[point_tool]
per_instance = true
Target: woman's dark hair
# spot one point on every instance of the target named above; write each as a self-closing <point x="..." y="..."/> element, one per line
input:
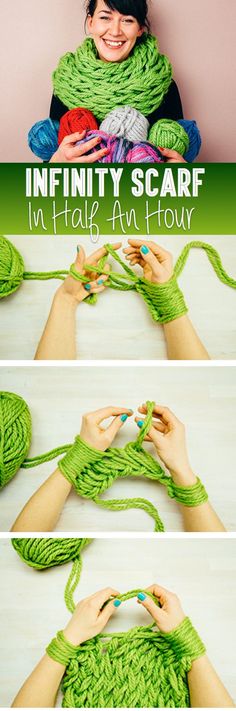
<point x="136" y="8"/>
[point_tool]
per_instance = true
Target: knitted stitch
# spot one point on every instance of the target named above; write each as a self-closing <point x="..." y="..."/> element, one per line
<point x="140" y="81"/>
<point x="169" y="134"/>
<point x="126" y="122"/>
<point x="91" y="471"/>
<point x="141" y="668"/>
<point x="43" y="138"/>
<point x="76" y="120"/>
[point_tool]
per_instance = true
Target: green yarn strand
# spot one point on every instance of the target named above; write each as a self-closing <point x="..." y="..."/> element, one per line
<point x="214" y="259"/>
<point x="140" y="81"/>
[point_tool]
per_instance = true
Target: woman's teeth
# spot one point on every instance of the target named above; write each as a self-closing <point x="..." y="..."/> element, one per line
<point x="113" y="44"/>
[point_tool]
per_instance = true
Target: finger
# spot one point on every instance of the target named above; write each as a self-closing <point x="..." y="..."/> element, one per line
<point x="108" y="611"/>
<point x="96" y="256"/>
<point x="100" y="281"/>
<point x="162" y="594"/>
<point x="156" y="425"/>
<point x="99" y="415"/>
<point x="80" y="259"/>
<point x="88" y="146"/>
<point x="103" y="595"/>
<point x="152" y="260"/>
<point x="151" y="607"/>
<point x="73" y="138"/>
<point x="117" y="423"/>
<point x="162" y="412"/>
<point x="96" y="155"/>
<point x="161" y="253"/>
<point x="170" y="153"/>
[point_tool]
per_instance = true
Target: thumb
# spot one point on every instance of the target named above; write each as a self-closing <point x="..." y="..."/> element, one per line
<point x="108" y="611"/>
<point x="154" y="610"/>
<point x="117" y="423"/>
<point x="80" y="259"/>
<point x="151" y="259"/>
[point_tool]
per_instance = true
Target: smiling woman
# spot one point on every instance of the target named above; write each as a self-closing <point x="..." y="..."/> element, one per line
<point x="118" y="65"/>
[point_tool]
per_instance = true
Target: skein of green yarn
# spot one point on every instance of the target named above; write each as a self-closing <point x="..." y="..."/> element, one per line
<point x="44" y="553"/>
<point x="11" y="268"/>
<point x="169" y="134"/>
<point x="15" y="435"/>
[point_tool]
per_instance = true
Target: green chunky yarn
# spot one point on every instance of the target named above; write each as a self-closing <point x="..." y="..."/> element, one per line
<point x="169" y="134"/>
<point x="140" y="668"/>
<point x="15" y="435"/>
<point x="165" y="302"/>
<point x="43" y="553"/>
<point x="140" y="81"/>
<point x="91" y="471"/>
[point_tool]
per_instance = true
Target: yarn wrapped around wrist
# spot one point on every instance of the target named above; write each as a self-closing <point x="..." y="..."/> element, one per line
<point x="77" y="458"/>
<point x="190" y="496"/>
<point x="185" y="641"/>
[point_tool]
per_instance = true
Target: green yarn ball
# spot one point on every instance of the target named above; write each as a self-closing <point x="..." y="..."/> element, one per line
<point x="42" y="553"/>
<point x="11" y="268"/>
<point x="15" y="435"/>
<point x="169" y="134"/>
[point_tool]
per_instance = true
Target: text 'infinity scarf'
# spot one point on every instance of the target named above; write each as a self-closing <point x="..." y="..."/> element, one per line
<point x="141" y="80"/>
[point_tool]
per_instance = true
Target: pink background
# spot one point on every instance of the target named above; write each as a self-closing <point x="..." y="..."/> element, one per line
<point x="198" y="36"/>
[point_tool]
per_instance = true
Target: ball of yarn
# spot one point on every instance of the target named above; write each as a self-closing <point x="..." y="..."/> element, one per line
<point x="144" y="152"/>
<point x="15" y="435"/>
<point x="76" y="120"/>
<point x="121" y="150"/>
<point x="126" y="122"/>
<point x="11" y="268"/>
<point x="42" y="553"/>
<point x="43" y="138"/>
<point x="169" y="134"/>
<point x="195" y="140"/>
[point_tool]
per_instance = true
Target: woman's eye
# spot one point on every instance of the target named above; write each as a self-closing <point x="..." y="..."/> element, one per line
<point x="129" y="21"/>
<point x="104" y="18"/>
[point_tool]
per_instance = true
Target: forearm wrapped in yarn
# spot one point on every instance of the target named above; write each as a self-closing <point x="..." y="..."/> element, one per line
<point x="89" y="470"/>
<point x="43" y="553"/>
<point x="140" y="668"/>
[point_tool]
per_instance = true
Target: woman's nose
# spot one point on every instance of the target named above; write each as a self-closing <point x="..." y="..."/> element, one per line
<point x="115" y="27"/>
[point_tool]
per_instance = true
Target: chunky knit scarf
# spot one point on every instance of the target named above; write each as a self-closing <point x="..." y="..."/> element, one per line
<point x="141" y="80"/>
<point x="140" y="668"/>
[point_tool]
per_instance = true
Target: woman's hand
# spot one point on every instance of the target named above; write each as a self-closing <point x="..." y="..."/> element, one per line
<point x="78" y="290"/>
<point x="168" y="436"/>
<point x="170" y="614"/>
<point x="69" y="152"/>
<point x="171" y="156"/>
<point x="156" y="262"/>
<point x="94" y="434"/>
<point x="89" y="619"/>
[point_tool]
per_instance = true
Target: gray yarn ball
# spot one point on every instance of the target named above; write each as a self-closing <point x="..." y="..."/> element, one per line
<point x="126" y="122"/>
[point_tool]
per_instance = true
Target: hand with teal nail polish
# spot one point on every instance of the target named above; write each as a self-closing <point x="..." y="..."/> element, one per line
<point x="91" y="616"/>
<point x="141" y="596"/>
<point x="93" y="431"/>
<point x="166" y="611"/>
<point x="156" y="262"/>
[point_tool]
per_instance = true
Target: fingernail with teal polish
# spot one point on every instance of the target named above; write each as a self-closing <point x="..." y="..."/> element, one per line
<point x="100" y="282"/>
<point x="141" y="596"/>
<point x="87" y="287"/>
<point x="124" y="418"/>
<point x="78" y="248"/>
<point x="117" y="603"/>
<point x="140" y="423"/>
<point x="144" y="249"/>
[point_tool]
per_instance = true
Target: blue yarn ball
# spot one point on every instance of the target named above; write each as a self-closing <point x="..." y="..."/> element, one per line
<point x="195" y="140"/>
<point x="43" y="138"/>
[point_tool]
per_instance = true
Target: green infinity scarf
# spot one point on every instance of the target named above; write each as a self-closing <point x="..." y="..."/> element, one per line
<point x="141" y="80"/>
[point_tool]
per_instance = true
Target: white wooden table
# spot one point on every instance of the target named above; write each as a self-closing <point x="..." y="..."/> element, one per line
<point x="202" y="397"/>
<point x="201" y="572"/>
<point x="120" y="325"/>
